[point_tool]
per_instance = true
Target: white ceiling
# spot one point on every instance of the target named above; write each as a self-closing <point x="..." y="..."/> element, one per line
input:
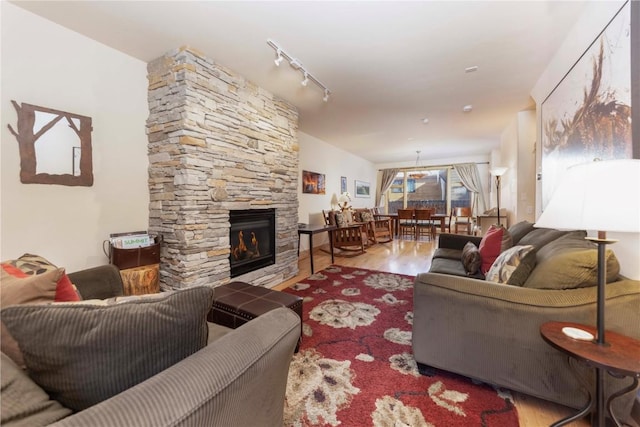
<point x="388" y="64"/>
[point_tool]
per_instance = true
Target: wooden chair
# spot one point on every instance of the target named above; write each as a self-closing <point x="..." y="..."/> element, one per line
<point x="463" y="219"/>
<point x="424" y="224"/>
<point x="379" y="230"/>
<point x="406" y="222"/>
<point x="349" y="238"/>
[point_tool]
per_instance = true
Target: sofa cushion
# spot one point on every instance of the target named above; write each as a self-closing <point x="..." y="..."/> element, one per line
<point x="23" y="402"/>
<point x="513" y="265"/>
<point x="19" y="288"/>
<point x="82" y="353"/>
<point x="471" y="258"/>
<point x="448" y="253"/>
<point x="570" y="262"/>
<point x="519" y="230"/>
<point x="492" y="244"/>
<point x="539" y="237"/>
<point x="452" y="267"/>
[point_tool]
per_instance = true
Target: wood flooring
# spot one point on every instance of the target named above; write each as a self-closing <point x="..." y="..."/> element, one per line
<point x="411" y="257"/>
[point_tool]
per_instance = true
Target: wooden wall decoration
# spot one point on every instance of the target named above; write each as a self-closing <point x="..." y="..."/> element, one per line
<point x="29" y="132"/>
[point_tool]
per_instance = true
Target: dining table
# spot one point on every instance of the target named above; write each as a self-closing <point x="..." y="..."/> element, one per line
<point x="394" y="220"/>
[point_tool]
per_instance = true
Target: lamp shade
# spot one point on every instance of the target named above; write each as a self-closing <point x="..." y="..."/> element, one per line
<point x="498" y="171"/>
<point x="600" y="196"/>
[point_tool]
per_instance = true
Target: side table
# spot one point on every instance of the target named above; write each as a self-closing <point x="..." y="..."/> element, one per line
<point x="310" y="230"/>
<point x="141" y="280"/>
<point x="620" y="357"/>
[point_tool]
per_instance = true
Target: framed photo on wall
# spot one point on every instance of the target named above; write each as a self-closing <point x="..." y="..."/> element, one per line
<point x="313" y="183"/>
<point x="343" y="184"/>
<point x="363" y="189"/>
<point x="587" y="116"/>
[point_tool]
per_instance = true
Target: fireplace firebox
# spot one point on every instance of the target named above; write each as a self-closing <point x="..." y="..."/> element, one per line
<point x="252" y="237"/>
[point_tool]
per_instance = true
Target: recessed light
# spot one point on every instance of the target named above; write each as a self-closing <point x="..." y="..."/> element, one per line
<point x="467" y="108"/>
<point x="471" y="69"/>
<point x="425" y="120"/>
<point x="410" y="138"/>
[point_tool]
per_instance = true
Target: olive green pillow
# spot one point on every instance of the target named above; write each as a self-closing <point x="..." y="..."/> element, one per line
<point x="82" y="353"/>
<point x="571" y="269"/>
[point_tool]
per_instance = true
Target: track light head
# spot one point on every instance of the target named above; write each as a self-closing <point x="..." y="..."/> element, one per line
<point x="325" y="98"/>
<point x="279" y="59"/>
<point x="305" y="82"/>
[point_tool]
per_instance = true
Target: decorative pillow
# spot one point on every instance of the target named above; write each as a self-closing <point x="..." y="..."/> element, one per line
<point x="519" y="230"/>
<point x="513" y="265"/>
<point x="341" y="220"/>
<point x="491" y="245"/>
<point x="23" y="402"/>
<point x="571" y="269"/>
<point x="82" y="354"/>
<point x="366" y="216"/>
<point x="539" y="237"/>
<point x="32" y="265"/>
<point x="357" y="216"/>
<point x="471" y="258"/>
<point x="18" y="288"/>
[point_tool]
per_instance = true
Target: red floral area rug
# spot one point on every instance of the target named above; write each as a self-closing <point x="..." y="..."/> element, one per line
<point x="355" y="366"/>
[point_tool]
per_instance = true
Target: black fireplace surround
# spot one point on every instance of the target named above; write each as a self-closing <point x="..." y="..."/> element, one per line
<point x="252" y="237"/>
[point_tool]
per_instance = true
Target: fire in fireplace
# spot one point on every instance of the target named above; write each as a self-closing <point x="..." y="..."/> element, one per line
<point x="252" y="238"/>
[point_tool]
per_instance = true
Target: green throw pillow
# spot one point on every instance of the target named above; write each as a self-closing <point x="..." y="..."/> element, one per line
<point x="572" y="269"/>
<point x="82" y="353"/>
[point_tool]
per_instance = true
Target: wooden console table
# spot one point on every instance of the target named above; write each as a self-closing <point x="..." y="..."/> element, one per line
<point x="620" y="357"/>
<point x="310" y="230"/>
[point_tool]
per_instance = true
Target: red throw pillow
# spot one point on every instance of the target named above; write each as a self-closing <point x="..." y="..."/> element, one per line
<point x="490" y="246"/>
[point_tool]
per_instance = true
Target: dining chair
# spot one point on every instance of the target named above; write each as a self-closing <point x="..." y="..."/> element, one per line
<point x="407" y="222"/>
<point x="463" y="219"/>
<point x="425" y="225"/>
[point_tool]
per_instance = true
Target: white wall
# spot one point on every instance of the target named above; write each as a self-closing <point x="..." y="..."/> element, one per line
<point x="50" y="66"/>
<point x="321" y="157"/>
<point x="585" y="31"/>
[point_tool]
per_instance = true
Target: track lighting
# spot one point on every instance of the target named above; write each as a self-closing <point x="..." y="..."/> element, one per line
<point x="297" y="65"/>
<point x="279" y="59"/>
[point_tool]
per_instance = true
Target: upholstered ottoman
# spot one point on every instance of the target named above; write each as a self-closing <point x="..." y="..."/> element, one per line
<point x="235" y="303"/>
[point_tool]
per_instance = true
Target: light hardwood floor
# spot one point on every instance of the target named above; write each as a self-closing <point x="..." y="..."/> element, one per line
<point x="411" y="258"/>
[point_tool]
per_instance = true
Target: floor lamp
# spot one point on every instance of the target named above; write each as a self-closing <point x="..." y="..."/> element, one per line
<point x="597" y="196"/>
<point x="498" y="172"/>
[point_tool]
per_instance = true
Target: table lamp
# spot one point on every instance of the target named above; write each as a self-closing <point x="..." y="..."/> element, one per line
<point x="498" y="172"/>
<point x="597" y="196"/>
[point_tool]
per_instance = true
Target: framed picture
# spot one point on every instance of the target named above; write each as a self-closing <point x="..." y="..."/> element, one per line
<point x="587" y="116"/>
<point x="343" y="184"/>
<point x="362" y="189"/>
<point x="312" y="182"/>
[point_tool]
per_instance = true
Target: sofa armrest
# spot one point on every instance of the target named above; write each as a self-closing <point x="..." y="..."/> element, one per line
<point x="238" y="380"/>
<point x="457" y="241"/>
<point x="100" y="282"/>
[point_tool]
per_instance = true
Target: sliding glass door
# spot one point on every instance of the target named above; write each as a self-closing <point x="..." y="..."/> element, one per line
<point x="427" y="188"/>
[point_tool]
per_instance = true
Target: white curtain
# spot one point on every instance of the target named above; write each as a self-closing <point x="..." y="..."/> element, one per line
<point x="470" y="178"/>
<point x="388" y="175"/>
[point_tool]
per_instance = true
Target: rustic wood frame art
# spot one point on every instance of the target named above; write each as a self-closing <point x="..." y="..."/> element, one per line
<point x="27" y="137"/>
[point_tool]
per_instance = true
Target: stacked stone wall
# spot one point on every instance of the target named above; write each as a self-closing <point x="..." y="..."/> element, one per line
<point x="217" y="142"/>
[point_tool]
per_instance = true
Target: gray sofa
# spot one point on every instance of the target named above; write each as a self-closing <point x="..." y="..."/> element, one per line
<point x="238" y="379"/>
<point x="490" y="331"/>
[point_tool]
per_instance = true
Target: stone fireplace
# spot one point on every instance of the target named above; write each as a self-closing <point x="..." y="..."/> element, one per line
<point x="217" y="144"/>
